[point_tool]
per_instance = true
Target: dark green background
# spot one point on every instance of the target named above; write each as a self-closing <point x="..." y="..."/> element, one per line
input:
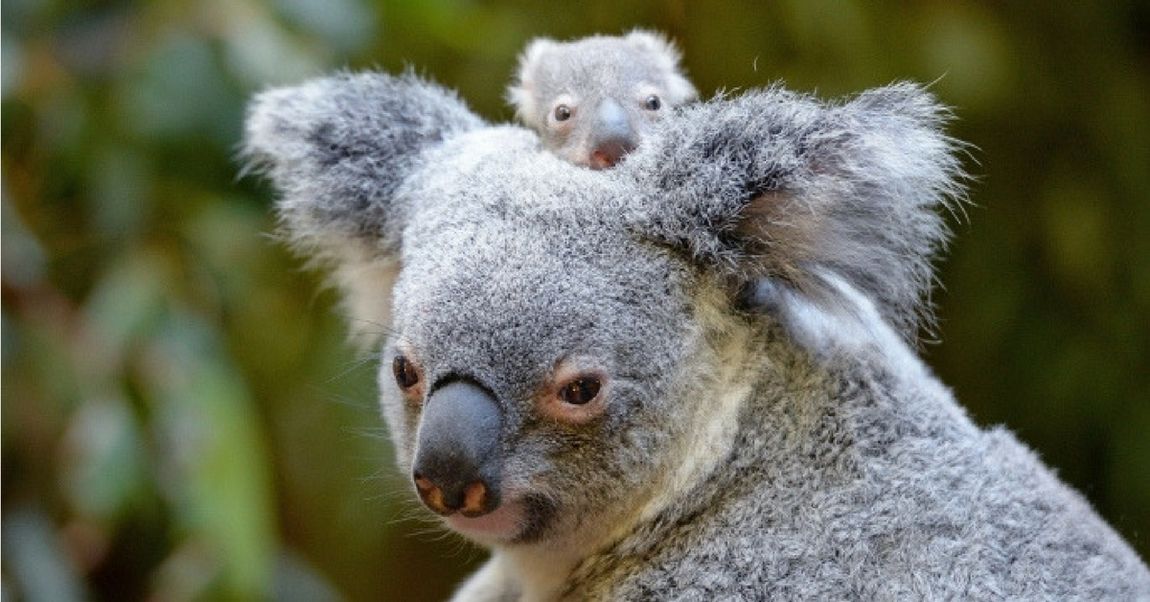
<point x="182" y="418"/>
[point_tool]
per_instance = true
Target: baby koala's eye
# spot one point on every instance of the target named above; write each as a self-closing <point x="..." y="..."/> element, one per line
<point x="406" y="375"/>
<point x="653" y="103"/>
<point x="562" y="113"/>
<point x="580" y="391"/>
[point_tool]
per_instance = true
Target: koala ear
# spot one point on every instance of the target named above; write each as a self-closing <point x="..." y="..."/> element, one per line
<point x="667" y="57"/>
<point x="336" y="149"/>
<point x="521" y="93"/>
<point x="778" y="185"/>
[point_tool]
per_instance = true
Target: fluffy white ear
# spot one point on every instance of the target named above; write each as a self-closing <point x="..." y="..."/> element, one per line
<point x="336" y="149"/>
<point x="667" y="56"/>
<point x="779" y="185"/>
<point x="521" y="92"/>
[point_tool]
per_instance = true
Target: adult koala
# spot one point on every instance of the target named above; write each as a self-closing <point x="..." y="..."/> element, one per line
<point x="684" y="378"/>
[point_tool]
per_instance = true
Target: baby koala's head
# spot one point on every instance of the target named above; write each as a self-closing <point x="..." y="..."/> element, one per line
<point x="592" y="100"/>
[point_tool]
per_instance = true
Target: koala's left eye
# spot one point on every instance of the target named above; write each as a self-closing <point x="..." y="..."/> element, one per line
<point x="406" y="375"/>
<point x="580" y="391"/>
<point x="653" y="103"/>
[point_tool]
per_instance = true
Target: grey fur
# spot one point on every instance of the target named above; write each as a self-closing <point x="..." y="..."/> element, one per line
<point x="848" y="189"/>
<point x="587" y="75"/>
<point x="798" y="451"/>
<point x="354" y="159"/>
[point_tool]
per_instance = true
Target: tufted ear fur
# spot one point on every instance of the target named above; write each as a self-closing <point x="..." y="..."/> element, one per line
<point x="778" y="185"/>
<point x="336" y="149"/>
<point x="521" y="92"/>
<point x="666" y="54"/>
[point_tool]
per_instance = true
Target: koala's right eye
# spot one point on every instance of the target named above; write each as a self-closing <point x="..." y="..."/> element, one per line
<point x="562" y="113"/>
<point x="580" y="391"/>
<point x="406" y="374"/>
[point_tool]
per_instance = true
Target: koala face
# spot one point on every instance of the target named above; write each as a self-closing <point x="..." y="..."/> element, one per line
<point x="593" y="100"/>
<point x="530" y="322"/>
<point x="561" y="339"/>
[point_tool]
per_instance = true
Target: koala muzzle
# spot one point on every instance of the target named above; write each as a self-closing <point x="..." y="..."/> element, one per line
<point x="613" y="135"/>
<point x="457" y="457"/>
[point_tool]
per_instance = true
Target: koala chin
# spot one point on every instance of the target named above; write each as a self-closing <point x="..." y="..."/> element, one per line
<point x="689" y="377"/>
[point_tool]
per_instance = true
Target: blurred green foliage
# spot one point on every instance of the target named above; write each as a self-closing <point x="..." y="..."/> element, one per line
<point x="182" y="418"/>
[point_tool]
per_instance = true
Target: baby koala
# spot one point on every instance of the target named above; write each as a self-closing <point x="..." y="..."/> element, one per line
<point x="592" y="100"/>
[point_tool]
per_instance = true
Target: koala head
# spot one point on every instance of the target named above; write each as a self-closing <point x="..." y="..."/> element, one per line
<point x="594" y="99"/>
<point x="556" y="335"/>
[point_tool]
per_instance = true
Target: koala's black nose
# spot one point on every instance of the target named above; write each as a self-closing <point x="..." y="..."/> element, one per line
<point x="457" y="458"/>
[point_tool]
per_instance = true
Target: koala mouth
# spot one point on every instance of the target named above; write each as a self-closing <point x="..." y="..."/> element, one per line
<point x="502" y="524"/>
<point x="522" y="520"/>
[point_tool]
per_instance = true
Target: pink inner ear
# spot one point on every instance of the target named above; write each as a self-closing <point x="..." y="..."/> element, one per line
<point x="774" y="220"/>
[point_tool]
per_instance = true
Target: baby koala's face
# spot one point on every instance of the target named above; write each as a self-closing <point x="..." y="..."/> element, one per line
<point x="592" y="101"/>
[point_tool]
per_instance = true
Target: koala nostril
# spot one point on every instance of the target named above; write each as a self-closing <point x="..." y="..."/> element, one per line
<point x="470" y="501"/>
<point x="432" y="496"/>
<point x="475" y="500"/>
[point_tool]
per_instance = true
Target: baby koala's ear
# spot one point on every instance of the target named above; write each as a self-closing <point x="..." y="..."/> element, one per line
<point x="521" y="92"/>
<point x="667" y="57"/>
<point x="336" y="149"/>
<point x="779" y="185"/>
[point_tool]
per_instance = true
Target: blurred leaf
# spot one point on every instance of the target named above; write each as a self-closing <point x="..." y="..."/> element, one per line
<point x="89" y="43"/>
<point x="296" y="581"/>
<point x="102" y="462"/>
<point x="18" y="15"/>
<point x="345" y="25"/>
<point x="21" y="254"/>
<point x="964" y="47"/>
<point x="189" y="574"/>
<point x="119" y="196"/>
<point x="253" y="277"/>
<point x="181" y="92"/>
<point x="45" y="364"/>
<point x="1077" y="235"/>
<point x="215" y="465"/>
<point x="12" y="60"/>
<point x="63" y="120"/>
<point x="262" y="53"/>
<point x="232" y="240"/>
<point x="1130" y="465"/>
<point x="35" y="560"/>
<point x="127" y="304"/>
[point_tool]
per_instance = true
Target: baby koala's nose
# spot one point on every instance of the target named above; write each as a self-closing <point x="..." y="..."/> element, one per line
<point x="613" y="135"/>
<point x="457" y="459"/>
